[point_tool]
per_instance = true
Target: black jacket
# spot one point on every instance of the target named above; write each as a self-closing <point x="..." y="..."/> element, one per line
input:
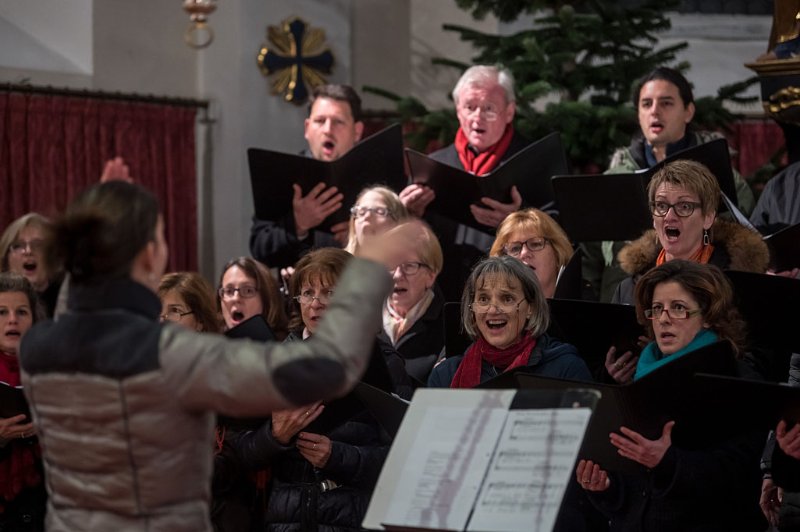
<point x="423" y="343"/>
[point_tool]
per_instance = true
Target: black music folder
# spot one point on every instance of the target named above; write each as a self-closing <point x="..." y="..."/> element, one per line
<point x="386" y="408"/>
<point x="752" y="403"/>
<point x="341" y="410"/>
<point x="12" y="402"/>
<point x="375" y="160"/>
<point x="616" y="207"/>
<point x="482" y="460"/>
<point x="593" y="327"/>
<point x="603" y="207"/>
<point x="784" y="248"/>
<point x="769" y="306"/>
<point x="530" y="170"/>
<point x="255" y="328"/>
<point x="668" y="393"/>
<point x="569" y="283"/>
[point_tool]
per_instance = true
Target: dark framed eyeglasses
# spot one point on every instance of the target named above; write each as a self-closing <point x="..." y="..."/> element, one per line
<point x="532" y="244"/>
<point x="175" y="314"/>
<point x="246" y="291"/>
<point x="682" y="208"/>
<point x="410" y="268"/>
<point x="676" y="312"/>
<point x="359" y="212"/>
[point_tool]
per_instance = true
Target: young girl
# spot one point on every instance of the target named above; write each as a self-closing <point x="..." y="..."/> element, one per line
<point x="22" y="492"/>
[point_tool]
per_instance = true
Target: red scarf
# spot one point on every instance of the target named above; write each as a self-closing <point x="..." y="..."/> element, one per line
<point x="701" y="256"/>
<point x="468" y="374"/>
<point x="19" y="469"/>
<point x="484" y="162"/>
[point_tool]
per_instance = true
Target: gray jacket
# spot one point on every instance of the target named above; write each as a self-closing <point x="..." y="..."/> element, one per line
<point x="124" y="405"/>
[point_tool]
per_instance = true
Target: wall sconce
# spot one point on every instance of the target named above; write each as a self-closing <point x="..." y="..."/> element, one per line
<point x="199" y="34"/>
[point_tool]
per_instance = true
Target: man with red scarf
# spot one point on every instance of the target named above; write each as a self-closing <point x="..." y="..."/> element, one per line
<point x="485" y="106"/>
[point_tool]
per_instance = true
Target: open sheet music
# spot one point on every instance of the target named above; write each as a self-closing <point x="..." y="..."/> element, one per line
<point x="480" y="460"/>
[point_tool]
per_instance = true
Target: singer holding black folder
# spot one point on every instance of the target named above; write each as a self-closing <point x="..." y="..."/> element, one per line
<point x="709" y="485"/>
<point x="22" y="492"/>
<point x="323" y="465"/>
<point x="485" y="105"/>
<point x="123" y="404"/>
<point x="332" y="128"/>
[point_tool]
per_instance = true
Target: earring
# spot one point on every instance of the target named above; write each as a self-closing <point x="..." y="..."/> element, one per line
<point x="706" y="237"/>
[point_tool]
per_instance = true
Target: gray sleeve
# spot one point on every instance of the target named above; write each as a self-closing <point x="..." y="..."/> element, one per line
<point x="244" y="378"/>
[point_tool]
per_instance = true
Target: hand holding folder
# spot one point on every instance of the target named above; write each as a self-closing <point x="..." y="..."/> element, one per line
<point x="377" y="159"/>
<point x="457" y="191"/>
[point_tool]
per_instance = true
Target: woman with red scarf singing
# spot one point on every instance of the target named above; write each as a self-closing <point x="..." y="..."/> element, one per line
<point x="504" y="311"/>
<point x="22" y="492"/>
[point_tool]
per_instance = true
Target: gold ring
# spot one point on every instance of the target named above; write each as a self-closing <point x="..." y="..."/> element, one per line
<point x="618" y="365"/>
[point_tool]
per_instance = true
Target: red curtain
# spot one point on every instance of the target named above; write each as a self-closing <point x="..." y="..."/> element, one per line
<point x="51" y="147"/>
<point x="756" y="141"/>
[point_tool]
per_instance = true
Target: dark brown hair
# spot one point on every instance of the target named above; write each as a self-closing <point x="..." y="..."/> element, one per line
<point x="342" y="93"/>
<point x="324" y="265"/>
<point x="198" y="294"/>
<point x="102" y="231"/>
<point x="267" y="290"/>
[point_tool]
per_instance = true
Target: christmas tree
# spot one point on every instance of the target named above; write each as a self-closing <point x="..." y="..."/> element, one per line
<point x="575" y="68"/>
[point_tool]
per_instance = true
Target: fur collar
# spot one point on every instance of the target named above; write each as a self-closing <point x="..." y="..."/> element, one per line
<point x="745" y="249"/>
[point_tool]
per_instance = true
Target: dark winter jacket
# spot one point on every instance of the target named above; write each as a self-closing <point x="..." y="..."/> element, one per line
<point x="550" y="358"/>
<point x="735" y="248"/>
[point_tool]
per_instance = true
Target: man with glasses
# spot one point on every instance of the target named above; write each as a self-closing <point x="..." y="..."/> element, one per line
<point x="485" y="105"/>
<point x="332" y="128"/>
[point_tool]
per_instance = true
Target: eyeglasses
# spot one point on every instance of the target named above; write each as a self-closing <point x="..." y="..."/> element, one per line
<point x="490" y="112"/>
<point x="246" y="291"/>
<point x="31" y="246"/>
<point x="359" y="212"/>
<point x="175" y="314"/>
<point x="676" y="312"/>
<point x="482" y="306"/>
<point x="410" y="268"/>
<point x="533" y="244"/>
<point x="682" y="208"/>
<point x="308" y="297"/>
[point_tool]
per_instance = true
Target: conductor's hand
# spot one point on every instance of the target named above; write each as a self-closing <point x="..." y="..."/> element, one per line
<point x="116" y="170"/>
<point x="416" y="198"/>
<point x="12" y="428"/>
<point x="591" y="477"/>
<point x="770" y="502"/>
<point x="621" y="368"/>
<point x="287" y="423"/>
<point x="315" y="448"/>
<point x="497" y="211"/>
<point x="392" y="247"/>
<point x="310" y="210"/>
<point x="788" y="440"/>
<point x="636" y="447"/>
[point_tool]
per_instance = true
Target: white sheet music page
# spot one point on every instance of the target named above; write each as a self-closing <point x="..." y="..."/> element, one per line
<point x="532" y="465"/>
<point x="434" y="470"/>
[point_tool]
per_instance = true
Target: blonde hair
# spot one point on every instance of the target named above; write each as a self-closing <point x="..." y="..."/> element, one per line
<point x="397" y="212"/>
<point x="533" y="221"/>
<point x="14" y="228"/>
